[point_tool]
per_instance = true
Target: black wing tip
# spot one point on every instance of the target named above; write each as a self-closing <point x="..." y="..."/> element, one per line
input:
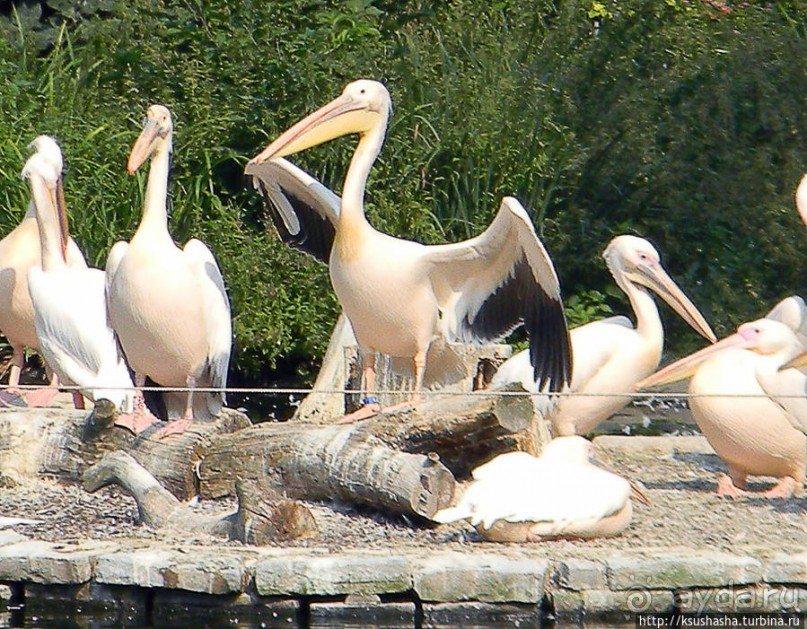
<point x="322" y="230"/>
<point x="550" y="345"/>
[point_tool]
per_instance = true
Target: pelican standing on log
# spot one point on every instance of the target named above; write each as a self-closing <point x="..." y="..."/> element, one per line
<point x="168" y="305"/>
<point x="610" y="355"/>
<point x="399" y="295"/>
<point x="20" y="251"/>
<point x="70" y="313"/>
<point x="749" y="403"/>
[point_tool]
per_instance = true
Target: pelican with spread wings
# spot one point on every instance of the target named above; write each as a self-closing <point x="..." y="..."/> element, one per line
<point x="400" y="295"/>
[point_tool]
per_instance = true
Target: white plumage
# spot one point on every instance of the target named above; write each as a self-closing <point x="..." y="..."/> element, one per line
<point x="560" y="493"/>
<point x="748" y="402"/>
<point x="610" y="355"/>
<point x="69" y="302"/>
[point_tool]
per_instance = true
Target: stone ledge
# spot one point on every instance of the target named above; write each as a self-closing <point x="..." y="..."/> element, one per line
<point x="43" y="562"/>
<point x="197" y="572"/>
<point x="673" y="571"/>
<point x="787" y="569"/>
<point x="518" y="581"/>
<point x="453" y="577"/>
<point x="338" y="574"/>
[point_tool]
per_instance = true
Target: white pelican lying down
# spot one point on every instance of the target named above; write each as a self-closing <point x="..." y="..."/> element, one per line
<point x="20" y="251"/>
<point x="168" y="305"/>
<point x="761" y="435"/>
<point x="69" y="303"/>
<point x="610" y="355"/>
<point x="398" y="294"/>
<point x="517" y="497"/>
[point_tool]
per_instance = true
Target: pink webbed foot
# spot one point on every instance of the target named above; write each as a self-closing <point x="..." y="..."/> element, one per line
<point x="137" y="422"/>
<point x="175" y="427"/>
<point x="41" y="397"/>
<point x="726" y="487"/>
<point x="785" y="488"/>
<point x="367" y="410"/>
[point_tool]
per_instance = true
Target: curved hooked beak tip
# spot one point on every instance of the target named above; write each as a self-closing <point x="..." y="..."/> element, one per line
<point x="795" y="362"/>
<point x="656" y="278"/>
<point x="686" y="367"/>
<point x="637" y="493"/>
<point x="326" y="123"/>
<point x="143" y="146"/>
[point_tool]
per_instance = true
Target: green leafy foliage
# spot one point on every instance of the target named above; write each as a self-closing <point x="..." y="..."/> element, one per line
<point x="679" y="121"/>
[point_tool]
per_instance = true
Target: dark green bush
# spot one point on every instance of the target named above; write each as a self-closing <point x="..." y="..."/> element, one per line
<point x="676" y="120"/>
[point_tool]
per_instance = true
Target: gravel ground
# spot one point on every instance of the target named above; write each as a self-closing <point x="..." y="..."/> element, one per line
<point x="685" y="512"/>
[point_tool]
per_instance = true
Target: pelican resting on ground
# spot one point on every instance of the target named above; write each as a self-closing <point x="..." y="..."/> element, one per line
<point x="610" y="355"/>
<point x="400" y="295"/>
<point x="168" y="305"/>
<point x="517" y="497"/>
<point x="20" y="251"/>
<point x="763" y="435"/>
<point x="70" y="312"/>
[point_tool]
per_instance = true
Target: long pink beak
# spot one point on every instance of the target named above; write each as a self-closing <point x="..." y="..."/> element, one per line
<point x="142" y="146"/>
<point x="310" y="131"/>
<point x="686" y="367"/>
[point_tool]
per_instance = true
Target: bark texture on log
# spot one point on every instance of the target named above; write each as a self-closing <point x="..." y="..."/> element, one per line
<point x="260" y="519"/>
<point x="65" y="442"/>
<point x="402" y="462"/>
<point x="328" y="462"/>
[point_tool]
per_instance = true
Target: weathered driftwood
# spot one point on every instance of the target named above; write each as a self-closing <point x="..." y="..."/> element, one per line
<point x="259" y="519"/>
<point x="327" y="462"/>
<point x="401" y="461"/>
<point x="65" y="442"/>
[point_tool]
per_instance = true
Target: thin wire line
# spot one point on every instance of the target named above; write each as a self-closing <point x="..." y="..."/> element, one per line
<point x="425" y="393"/>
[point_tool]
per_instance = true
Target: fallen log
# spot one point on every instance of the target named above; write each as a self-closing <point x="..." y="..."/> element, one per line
<point x="65" y="442"/>
<point x="330" y="462"/>
<point x="402" y="462"/>
<point x="259" y="519"/>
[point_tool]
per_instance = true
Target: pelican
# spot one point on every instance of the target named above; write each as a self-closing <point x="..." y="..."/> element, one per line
<point x="761" y="435"/>
<point x="19" y="252"/>
<point x="801" y="199"/>
<point x="517" y="497"/>
<point x="168" y="305"/>
<point x="70" y="314"/>
<point x="610" y="355"/>
<point x="399" y="295"/>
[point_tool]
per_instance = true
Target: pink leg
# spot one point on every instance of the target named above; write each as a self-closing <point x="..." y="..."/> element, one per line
<point x="140" y="418"/>
<point x="179" y="426"/>
<point x="420" y="371"/>
<point x="727" y="487"/>
<point x="12" y="396"/>
<point x="78" y="400"/>
<point x="370" y="405"/>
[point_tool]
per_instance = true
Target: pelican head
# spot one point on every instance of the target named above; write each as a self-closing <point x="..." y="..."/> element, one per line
<point x="157" y="130"/>
<point x="45" y="182"/>
<point x="633" y="259"/>
<point x="363" y="107"/>
<point x="763" y="336"/>
<point x="49" y="149"/>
